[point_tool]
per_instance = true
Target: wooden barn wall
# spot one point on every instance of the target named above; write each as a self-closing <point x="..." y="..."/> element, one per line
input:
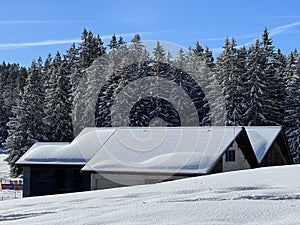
<point x="47" y="180"/>
<point x="274" y="157"/>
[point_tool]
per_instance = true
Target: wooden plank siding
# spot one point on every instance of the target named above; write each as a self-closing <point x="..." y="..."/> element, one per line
<point x="278" y="153"/>
<point x="54" y="179"/>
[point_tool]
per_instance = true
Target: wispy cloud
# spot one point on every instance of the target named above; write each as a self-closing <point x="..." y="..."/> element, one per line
<point x="240" y="37"/>
<point x="38" y="43"/>
<point x="279" y="17"/>
<point x="17" y="22"/>
<point x="59" y="42"/>
<point x="282" y="29"/>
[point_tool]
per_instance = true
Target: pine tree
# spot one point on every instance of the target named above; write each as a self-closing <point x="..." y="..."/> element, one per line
<point x="208" y="58"/>
<point x="136" y="43"/>
<point x="243" y="91"/>
<point x="72" y="57"/>
<point x="79" y="60"/>
<point x="10" y="88"/>
<point x="273" y="81"/>
<point x="229" y="79"/>
<point x="255" y="114"/>
<point x="159" y="54"/>
<point x="12" y="81"/>
<point x="16" y="143"/>
<point x="46" y="70"/>
<point x="26" y="126"/>
<point x="198" y="50"/>
<point x="21" y="81"/>
<point x="292" y="100"/>
<point x="90" y="48"/>
<point x="34" y="104"/>
<point x="113" y="44"/>
<point x="121" y="41"/>
<point x="58" y="108"/>
<point x="213" y="91"/>
<point x="3" y="121"/>
<point x="137" y="51"/>
<point x="96" y="76"/>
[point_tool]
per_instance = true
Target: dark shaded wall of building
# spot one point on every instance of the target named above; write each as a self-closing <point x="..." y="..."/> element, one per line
<point x="50" y="179"/>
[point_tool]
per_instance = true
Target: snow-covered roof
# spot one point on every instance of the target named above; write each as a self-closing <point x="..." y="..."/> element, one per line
<point x="163" y="150"/>
<point x="78" y="152"/>
<point x="262" y="138"/>
<point x="156" y="149"/>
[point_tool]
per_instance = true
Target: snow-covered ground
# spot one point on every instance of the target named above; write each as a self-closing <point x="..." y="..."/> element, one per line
<point x="259" y="196"/>
<point x="4" y="178"/>
<point x="4" y="168"/>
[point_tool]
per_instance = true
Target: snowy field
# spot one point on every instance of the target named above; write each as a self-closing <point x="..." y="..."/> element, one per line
<point x="4" y="178"/>
<point x="260" y="196"/>
<point x="4" y="168"/>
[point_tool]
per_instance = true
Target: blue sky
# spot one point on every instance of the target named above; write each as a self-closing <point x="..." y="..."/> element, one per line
<point x="34" y="28"/>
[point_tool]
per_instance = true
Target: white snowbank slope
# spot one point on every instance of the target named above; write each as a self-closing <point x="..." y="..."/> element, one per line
<point x="4" y="167"/>
<point x="259" y="196"/>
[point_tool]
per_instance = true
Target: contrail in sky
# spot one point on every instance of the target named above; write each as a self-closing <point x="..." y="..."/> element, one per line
<point x="59" y="42"/>
<point x="12" y="22"/>
<point x="283" y="28"/>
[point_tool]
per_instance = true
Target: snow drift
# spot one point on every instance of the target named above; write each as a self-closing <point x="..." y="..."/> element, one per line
<point x="260" y="196"/>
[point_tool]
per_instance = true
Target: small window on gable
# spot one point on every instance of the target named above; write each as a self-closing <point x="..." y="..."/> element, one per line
<point x="230" y="155"/>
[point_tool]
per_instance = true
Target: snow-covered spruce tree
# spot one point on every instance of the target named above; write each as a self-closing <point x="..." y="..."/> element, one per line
<point x="96" y="76"/>
<point x="213" y="91"/>
<point x="292" y="100"/>
<point x="159" y="70"/>
<point x="12" y="81"/>
<point x="9" y="92"/>
<point x="113" y="44"/>
<point x="78" y="105"/>
<point x="199" y="51"/>
<point x="274" y="82"/>
<point x="27" y="125"/>
<point x="58" y="104"/>
<point x="3" y="113"/>
<point x="21" y="81"/>
<point x="208" y="58"/>
<point x="34" y="104"/>
<point x="137" y="51"/>
<point x="89" y="50"/>
<point x="227" y="67"/>
<point x="136" y="44"/>
<point x="72" y="57"/>
<point x="16" y="142"/>
<point x="266" y="85"/>
<point x="46" y="70"/>
<point x="242" y="88"/>
<point x="10" y="88"/>
<point x="121" y="42"/>
<point x="255" y="115"/>
<point x="195" y="66"/>
<point x="117" y="60"/>
<point x="3" y="121"/>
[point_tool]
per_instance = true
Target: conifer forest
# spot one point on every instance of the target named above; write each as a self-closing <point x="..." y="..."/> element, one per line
<point x="56" y="97"/>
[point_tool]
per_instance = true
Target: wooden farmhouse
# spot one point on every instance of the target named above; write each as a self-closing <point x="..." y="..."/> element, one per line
<point x="100" y="158"/>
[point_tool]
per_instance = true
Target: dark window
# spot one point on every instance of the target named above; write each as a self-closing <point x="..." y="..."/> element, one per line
<point x="230" y="155"/>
